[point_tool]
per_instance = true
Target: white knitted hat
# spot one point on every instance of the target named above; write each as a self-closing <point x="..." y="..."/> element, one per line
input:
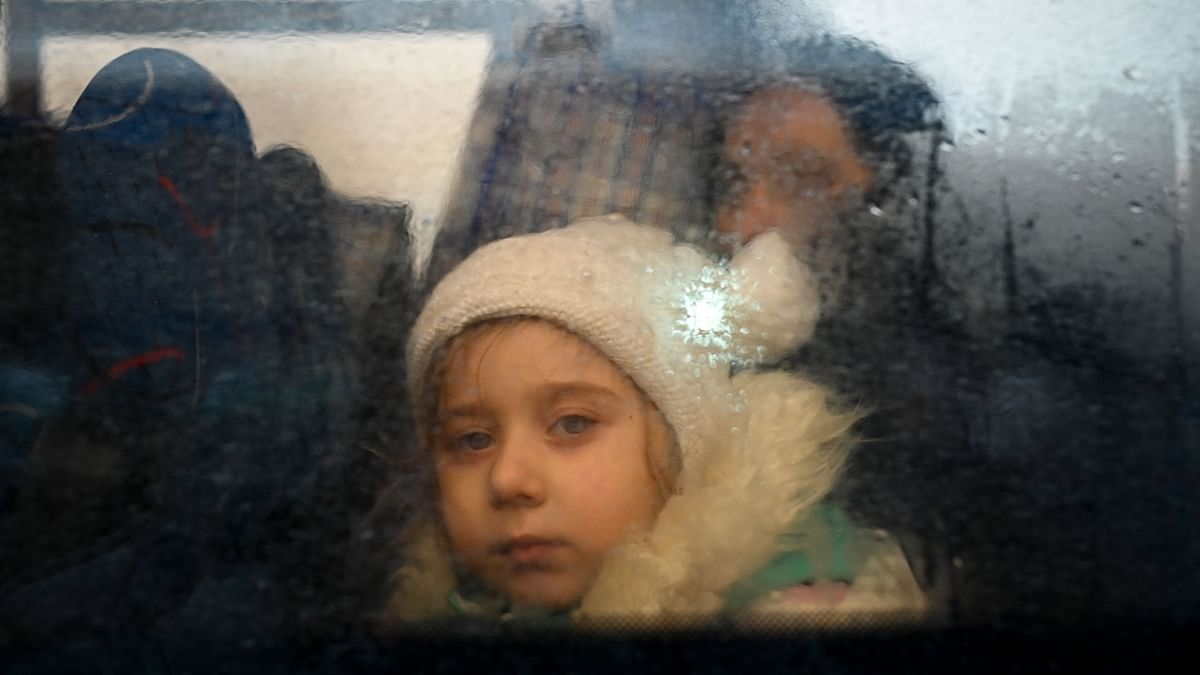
<point x="672" y="319"/>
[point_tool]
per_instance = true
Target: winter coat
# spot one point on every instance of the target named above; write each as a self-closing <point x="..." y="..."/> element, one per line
<point x="747" y="536"/>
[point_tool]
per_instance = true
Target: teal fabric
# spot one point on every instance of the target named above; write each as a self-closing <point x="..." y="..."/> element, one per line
<point x="820" y="547"/>
<point x="477" y="603"/>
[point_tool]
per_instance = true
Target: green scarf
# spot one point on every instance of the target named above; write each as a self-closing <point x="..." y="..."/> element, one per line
<point x="472" y="600"/>
<point x="825" y="545"/>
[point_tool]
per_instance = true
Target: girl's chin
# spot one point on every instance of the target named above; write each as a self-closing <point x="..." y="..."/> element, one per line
<point x="543" y="593"/>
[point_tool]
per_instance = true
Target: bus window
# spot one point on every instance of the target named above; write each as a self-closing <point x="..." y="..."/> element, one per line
<point x="253" y="249"/>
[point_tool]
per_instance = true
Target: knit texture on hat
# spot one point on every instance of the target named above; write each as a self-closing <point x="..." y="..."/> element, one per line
<point x="665" y="314"/>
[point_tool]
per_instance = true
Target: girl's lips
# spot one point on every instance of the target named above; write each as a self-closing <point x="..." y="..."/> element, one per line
<point x="527" y="549"/>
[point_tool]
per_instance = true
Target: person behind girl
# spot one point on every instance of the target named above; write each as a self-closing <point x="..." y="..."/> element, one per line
<point x="590" y="456"/>
<point x="823" y="142"/>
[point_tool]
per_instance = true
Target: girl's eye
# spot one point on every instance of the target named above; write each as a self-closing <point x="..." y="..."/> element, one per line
<point x="473" y="441"/>
<point x="573" y="425"/>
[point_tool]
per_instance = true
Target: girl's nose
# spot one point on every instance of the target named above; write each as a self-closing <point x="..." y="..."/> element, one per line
<point x="517" y="475"/>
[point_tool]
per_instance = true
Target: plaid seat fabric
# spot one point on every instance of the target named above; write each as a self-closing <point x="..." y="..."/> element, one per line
<point x="559" y="138"/>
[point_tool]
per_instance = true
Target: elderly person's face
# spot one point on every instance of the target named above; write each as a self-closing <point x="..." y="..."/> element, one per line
<point x="789" y="164"/>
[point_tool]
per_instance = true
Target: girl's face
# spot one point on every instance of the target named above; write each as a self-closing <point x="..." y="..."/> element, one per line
<point x="544" y="452"/>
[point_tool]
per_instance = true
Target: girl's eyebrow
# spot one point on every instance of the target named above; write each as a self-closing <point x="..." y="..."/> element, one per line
<point x="549" y="393"/>
<point x="460" y="410"/>
<point x="556" y="391"/>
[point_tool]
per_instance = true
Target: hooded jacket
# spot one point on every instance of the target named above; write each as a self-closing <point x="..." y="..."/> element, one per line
<point x="748" y="537"/>
<point x="759" y="450"/>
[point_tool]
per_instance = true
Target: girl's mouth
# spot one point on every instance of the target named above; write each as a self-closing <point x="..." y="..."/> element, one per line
<point x="527" y="549"/>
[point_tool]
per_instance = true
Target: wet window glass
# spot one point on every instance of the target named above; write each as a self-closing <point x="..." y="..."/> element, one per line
<point x="359" y="318"/>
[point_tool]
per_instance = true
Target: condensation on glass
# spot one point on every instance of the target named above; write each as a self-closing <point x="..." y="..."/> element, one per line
<point x="221" y="219"/>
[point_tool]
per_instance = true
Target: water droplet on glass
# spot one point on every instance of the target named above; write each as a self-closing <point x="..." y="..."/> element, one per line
<point x="1119" y="157"/>
<point x="1135" y="207"/>
<point x="876" y="211"/>
<point x="1132" y="73"/>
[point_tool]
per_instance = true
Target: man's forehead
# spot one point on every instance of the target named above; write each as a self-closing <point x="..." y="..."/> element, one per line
<point x="770" y="109"/>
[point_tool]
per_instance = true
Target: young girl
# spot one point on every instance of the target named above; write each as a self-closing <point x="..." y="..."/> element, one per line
<point x="600" y="445"/>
